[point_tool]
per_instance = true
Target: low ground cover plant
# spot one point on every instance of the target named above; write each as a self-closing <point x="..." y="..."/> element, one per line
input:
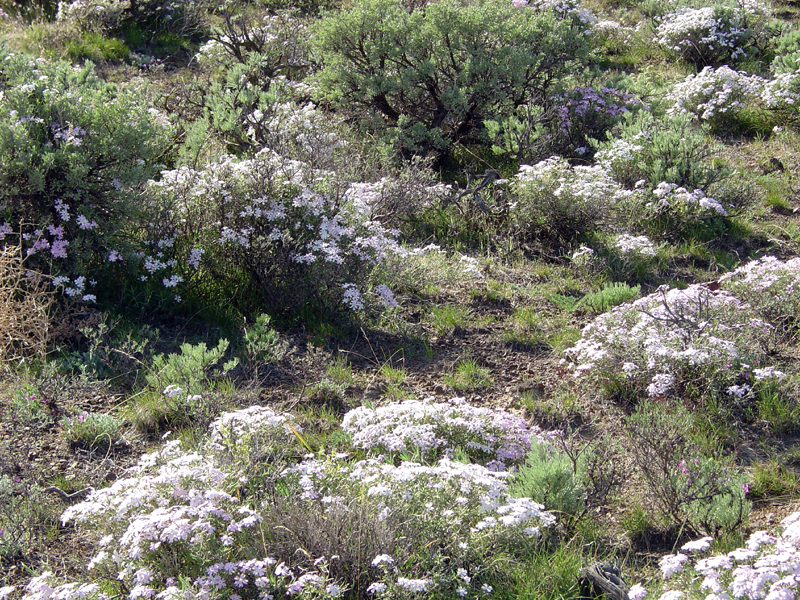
<point x="694" y="341"/>
<point x="762" y="568"/>
<point x="176" y="524"/>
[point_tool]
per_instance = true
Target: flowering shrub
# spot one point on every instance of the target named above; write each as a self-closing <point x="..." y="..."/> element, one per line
<point x="436" y="429"/>
<point x="73" y="150"/>
<point x="561" y="203"/>
<point x="672" y="211"/>
<point x="571" y="10"/>
<point x="468" y="506"/>
<point x="763" y="568"/>
<point x="769" y="286"/>
<point x="715" y="95"/>
<point x="629" y="244"/>
<point x="260" y="226"/>
<point x="782" y="94"/>
<point x="710" y="35"/>
<point x="107" y="16"/>
<point x="174" y="528"/>
<point x="673" y="341"/>
<point x="588" y="112"/>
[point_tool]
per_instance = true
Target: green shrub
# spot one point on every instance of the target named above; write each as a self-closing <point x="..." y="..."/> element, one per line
<point x="181" y="388"/>
<point x="191" y="371"/>
<point x="253" y="100"/>
<point x="685" y="489"/>
<point x="550" y="477"/>
<point x="91" y="429"/>
<point x="72" y="150"/>
<point x="669" y="149"/>
<point x="435" y="74"/>
<point x="262" y="343"/>
<point x="610" y="296"/>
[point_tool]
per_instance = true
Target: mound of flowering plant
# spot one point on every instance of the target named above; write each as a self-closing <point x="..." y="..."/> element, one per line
<point x="73" y="150"/>
<point x="466" y="509"/>
<point x="589" y="112"/>
<point x="674" y="341"/>
<point x="106" y="16"/>
<point x="710" y="35"/>
<point x="781" y="94"/>
<point x="766" y="567"/>
<point x="263" y="227"/>
<point x="198" y="524"/>
<point x="434" y="429"/>
<point x="715" y="95"/>
<point x="559" y="202"/>
<point x="673" y="211"/>
<point x="770" y="286"/>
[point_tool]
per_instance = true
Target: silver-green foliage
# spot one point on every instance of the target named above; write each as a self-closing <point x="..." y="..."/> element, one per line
<point x="551" y="478"/>
<point x="72" y="146"/>
<point x="610" y="296"/>
<point x="191" y="370"/>
<point x="435" y="74"/>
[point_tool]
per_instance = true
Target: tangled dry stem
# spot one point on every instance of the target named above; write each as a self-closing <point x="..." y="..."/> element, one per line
<point x="25" y="303"/>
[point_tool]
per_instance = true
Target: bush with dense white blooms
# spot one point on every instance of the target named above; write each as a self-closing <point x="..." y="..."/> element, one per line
<point x="714" y="95"/>
<point x="710" y="35"/>
<point x="436" y="429"/>
<point x="557" y="200"/>
<point x="668" y="339"/>
<point x="765" y="568"/>
<point x="264" y="217"/>
<point x="178" y="525"/>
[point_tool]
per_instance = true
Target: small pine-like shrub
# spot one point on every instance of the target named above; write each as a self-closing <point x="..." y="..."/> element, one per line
<point x="550" y="477"/>
<point x="610" y="296"/>
<point x="190" y="372"/>
<point x="650" y="150"/>
<point x="262" y="343"/>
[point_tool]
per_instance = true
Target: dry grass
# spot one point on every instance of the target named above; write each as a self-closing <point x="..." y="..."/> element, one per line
<point x="25" y="303"/>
